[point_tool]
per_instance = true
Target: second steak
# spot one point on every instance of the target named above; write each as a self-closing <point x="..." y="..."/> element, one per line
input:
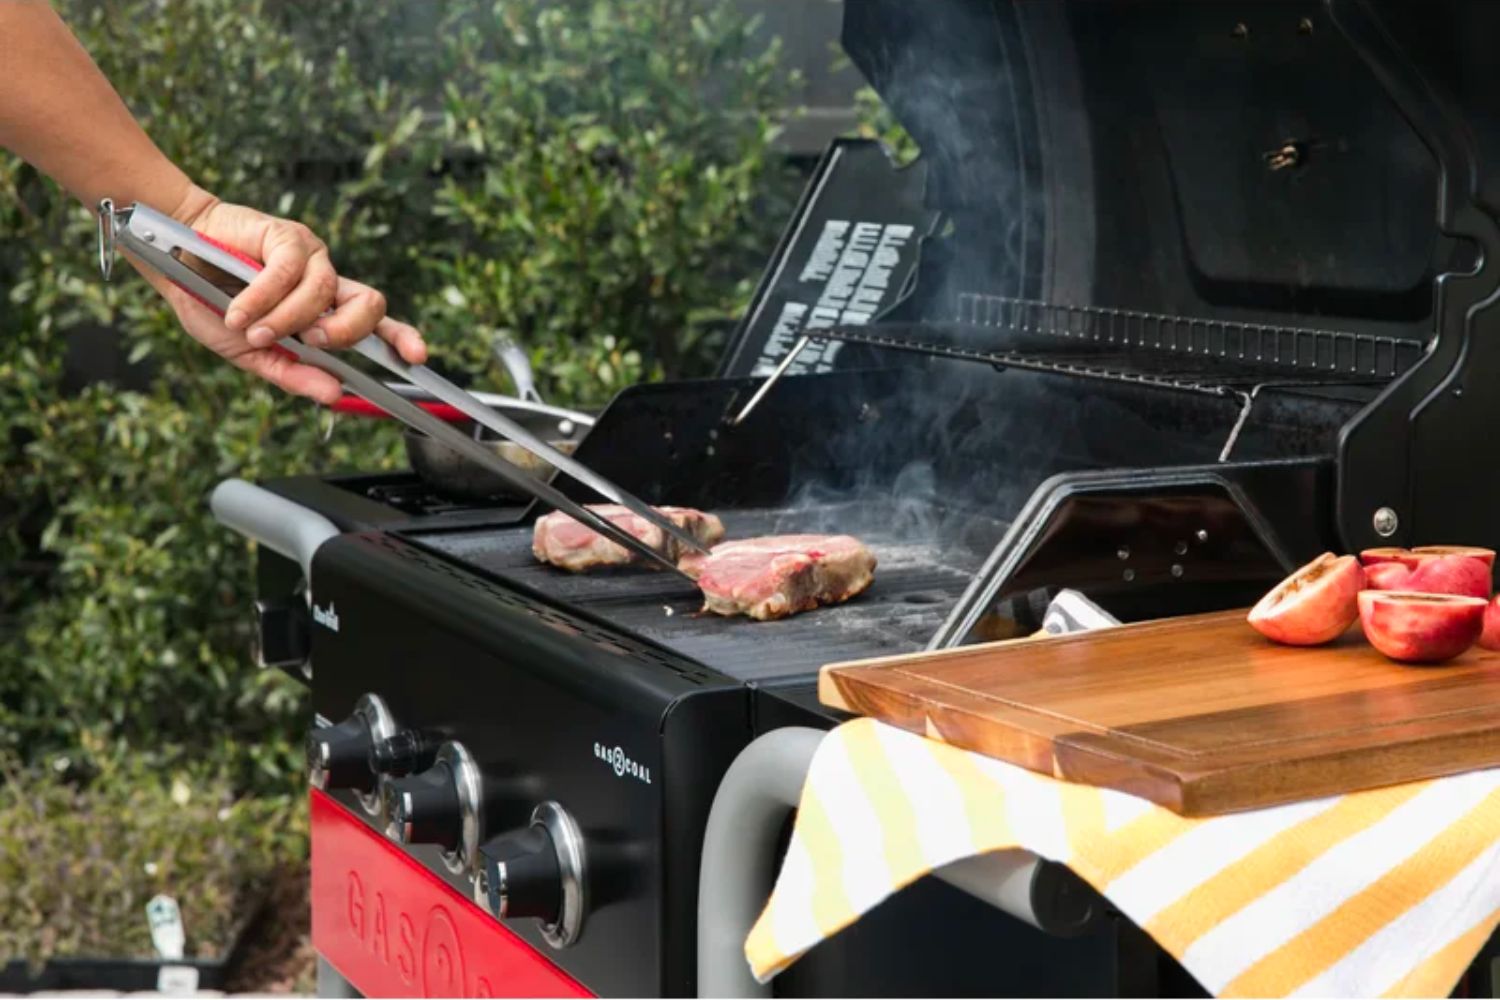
<point x="563" y="542"/>
<point x="780" y="575"/>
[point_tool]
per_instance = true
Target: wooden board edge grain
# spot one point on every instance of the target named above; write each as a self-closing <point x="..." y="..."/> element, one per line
<point x="1215" y="785"/>
<point x="830" y="692"/>
<point x="984" y="648"/>
<point x="939" y="712"/>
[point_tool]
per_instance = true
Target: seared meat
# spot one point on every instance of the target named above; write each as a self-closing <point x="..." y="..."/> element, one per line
<point x="780" y="575"/>
<point x="563" y="542"/>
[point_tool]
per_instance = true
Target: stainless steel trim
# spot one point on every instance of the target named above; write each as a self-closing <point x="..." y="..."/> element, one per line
<point x="568" y="840"/>
<point x="372" y="708"/>
<point x="467" y="781"/>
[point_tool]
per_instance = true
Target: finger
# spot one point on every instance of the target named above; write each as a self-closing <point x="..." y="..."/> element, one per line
<point x="288" y="248"/>
<point x="301" y="307"/>
<point x="404" y="338"/>
<point x="359" y="309"/>
<point x="291" y="375"/>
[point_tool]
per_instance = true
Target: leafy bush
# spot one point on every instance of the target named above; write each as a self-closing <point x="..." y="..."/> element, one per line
<point x="593" y="176"/>
<point x="78" y="861"/>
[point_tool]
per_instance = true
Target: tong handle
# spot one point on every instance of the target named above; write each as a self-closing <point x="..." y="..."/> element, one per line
<point x="213" y="274"/>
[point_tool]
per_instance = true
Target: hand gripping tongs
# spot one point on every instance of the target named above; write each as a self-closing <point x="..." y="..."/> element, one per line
<point x="215" y="274"/>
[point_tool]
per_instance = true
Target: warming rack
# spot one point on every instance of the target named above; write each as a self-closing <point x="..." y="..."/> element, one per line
<point x="1213" y="356"/>
<point x="1302" y="349"/>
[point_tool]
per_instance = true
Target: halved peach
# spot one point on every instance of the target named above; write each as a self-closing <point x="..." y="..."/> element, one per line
<point x="1489" y="636"/>
<point x="1465" y="575"/>
<point x="1387" y="576"/>
<point x="1411" y="627"/>
<point x="1487" y="556"/>
<point x="1314" y="605"/>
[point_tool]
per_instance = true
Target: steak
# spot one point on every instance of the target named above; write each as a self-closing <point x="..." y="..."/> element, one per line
<point x="563" y="542"/>
<point x="780" y="575"/>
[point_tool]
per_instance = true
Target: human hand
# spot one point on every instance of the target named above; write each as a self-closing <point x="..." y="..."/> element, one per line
<point x="297" y="286"/>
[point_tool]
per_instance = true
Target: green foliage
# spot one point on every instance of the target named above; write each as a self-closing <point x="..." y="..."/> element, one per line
<point x="592" y="176"/>
<point x="877" y="122"/>
<point x="79" y="859"/>
<point x="597" y="140"/>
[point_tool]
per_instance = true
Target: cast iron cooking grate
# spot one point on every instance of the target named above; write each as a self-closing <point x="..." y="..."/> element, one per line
<point x="573" y="625"/>
<point x="927" y="555"/>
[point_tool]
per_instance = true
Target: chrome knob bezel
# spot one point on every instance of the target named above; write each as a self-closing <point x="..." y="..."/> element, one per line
<point x="470" y="789"/>
<point x="370" y="709"/>
<point x="567" y="839"/>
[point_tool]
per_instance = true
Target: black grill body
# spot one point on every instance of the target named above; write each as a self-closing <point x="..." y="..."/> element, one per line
<point x="534" y="692"/>
<point x="1177" y="297"/>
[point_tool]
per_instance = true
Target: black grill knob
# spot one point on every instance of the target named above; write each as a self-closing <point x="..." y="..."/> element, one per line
<point x="537" y="872"/>
<point x="442" y="805"/>
<point x="522" y="875"/>
<point x="338" y="756"/>
<point x="424" y="808"/>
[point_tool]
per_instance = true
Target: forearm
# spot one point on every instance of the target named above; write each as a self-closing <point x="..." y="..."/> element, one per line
<point x="59" y="113"/>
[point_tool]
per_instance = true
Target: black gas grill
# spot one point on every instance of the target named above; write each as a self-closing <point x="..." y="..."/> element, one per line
<point x="1178" y="296"/>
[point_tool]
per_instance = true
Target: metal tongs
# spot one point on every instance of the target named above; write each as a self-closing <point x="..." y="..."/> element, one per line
<point x="214" y="275"/>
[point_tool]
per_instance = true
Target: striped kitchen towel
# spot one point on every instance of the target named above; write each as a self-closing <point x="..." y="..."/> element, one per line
<point x="1389" y="892"/>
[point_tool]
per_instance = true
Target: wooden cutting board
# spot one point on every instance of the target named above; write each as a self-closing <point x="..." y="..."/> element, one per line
<point x="1199" y="713"/>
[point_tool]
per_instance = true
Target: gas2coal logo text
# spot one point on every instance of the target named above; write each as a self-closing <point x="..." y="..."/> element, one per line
<point x="623" y="766"/>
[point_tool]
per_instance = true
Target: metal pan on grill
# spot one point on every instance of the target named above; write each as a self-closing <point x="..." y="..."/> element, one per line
<point x="454" y="475"/>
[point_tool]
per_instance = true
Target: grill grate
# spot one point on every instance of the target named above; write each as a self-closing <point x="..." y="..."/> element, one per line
<point x="1257" y="344"/>
<point x="572" y="625"/>
<point x="916" y="585"/>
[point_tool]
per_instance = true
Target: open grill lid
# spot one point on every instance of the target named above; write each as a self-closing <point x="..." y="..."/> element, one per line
<point x="1284" y="193"/>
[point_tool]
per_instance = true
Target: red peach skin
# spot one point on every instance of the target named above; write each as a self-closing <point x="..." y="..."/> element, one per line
<point x="1314" y="605"/>
<point x="1411" y="627"/>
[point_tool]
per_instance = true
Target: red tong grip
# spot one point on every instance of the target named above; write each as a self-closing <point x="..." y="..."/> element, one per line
<point x="347" y="403"/>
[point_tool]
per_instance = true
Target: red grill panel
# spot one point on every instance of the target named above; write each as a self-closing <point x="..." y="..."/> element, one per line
<point x="394" y="929"/>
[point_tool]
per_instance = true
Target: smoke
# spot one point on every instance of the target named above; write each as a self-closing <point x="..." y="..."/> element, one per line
<point x="920" y="467"/>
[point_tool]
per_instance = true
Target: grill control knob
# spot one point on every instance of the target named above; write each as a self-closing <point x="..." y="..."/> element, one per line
<point x="338" y="756"/>
<point x="424" y="808"/>
<point x="537" y="872"/>
<point x="440" y="805"/>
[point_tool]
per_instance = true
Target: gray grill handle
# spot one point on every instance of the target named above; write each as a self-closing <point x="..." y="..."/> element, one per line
<point x="284" y="527"/>
<point x="759" y="792"/>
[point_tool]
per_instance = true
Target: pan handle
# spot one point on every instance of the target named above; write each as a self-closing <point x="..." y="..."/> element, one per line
<point x="284" y="527"/>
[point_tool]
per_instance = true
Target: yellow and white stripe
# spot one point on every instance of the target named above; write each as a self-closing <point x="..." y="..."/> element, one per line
<point x="1389" y="892"/>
